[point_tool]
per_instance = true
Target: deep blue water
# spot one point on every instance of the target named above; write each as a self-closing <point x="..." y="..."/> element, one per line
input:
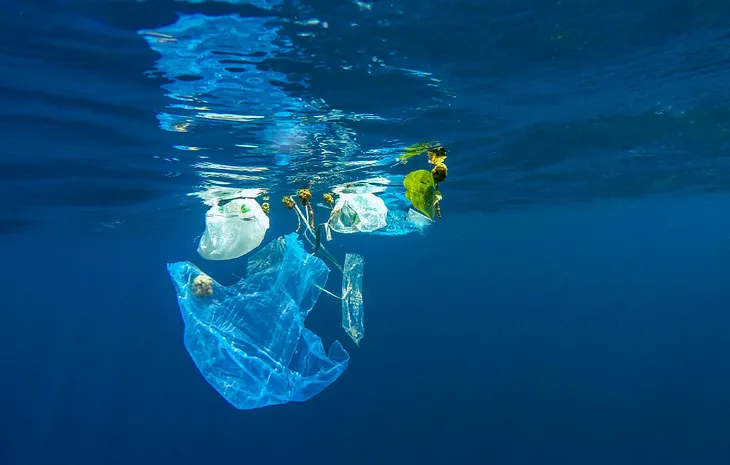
<point x="570" y="308"/>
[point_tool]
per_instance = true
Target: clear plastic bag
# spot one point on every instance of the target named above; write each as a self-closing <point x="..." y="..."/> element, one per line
<point x="248" y="339"/>
<point x="233" y="230"/>
<point x="355" y="213"/>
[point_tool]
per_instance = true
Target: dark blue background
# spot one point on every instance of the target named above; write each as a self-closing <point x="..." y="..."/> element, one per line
<point x="570" y="308"/>
<point x="585" y="334"/>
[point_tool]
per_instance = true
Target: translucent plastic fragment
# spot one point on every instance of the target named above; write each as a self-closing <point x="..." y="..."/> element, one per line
<point x="418" y="219"/>
<point x="233" y="230"/>
<point x="352" y="306"/>
<point x="358" y="213"/>
<point x="248" y="340"/>
<point x="402" y="219"/>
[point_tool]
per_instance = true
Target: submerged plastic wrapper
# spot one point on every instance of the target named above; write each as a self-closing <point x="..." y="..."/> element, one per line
<point x="355" y="213"/>
<point x="402" y="219"/>
<point x="248" y="340"/>
<point x="233" y="230"/>
<point x="352" y="305"/>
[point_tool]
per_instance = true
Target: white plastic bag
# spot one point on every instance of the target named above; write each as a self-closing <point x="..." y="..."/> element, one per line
<point x="233" y="230"/>
<point x="358" y="213"/>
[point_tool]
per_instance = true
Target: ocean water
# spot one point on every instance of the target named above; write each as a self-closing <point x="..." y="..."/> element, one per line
<point x="571" y="306"/>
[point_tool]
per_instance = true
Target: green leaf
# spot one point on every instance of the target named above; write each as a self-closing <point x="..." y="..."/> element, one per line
<point x="421" y="192"/>
<point x="416" y="149"/>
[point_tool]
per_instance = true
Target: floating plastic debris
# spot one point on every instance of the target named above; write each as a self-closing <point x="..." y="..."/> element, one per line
<point x="248" y="340"/>
<point x="352" y="304"/>
<point x="355" y="213"/>
<point x="233" y="230"/>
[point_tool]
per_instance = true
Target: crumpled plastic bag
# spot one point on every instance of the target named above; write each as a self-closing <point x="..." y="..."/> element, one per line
<point x="355" y="213"/>
<point x="249" y="340"/>
<point x="233" y="230"/>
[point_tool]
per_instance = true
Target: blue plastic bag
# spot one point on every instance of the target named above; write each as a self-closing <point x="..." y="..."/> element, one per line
<point x="248" y="340"/>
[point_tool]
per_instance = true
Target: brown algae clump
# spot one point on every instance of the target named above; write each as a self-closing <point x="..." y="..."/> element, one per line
<point x="202" y="286"/>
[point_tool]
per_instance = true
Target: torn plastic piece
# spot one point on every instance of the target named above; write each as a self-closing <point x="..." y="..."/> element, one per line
<point x="248" y="340"/>
<point x="352" y="305"/>
<point x="418" y="219"/>
<point x="402" y="219"/>
<point x="358" y="213"/>
<point x="233" y="230"/>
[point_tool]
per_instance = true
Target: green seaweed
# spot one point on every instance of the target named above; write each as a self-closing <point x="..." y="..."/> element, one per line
<point x="417" y="149"/>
